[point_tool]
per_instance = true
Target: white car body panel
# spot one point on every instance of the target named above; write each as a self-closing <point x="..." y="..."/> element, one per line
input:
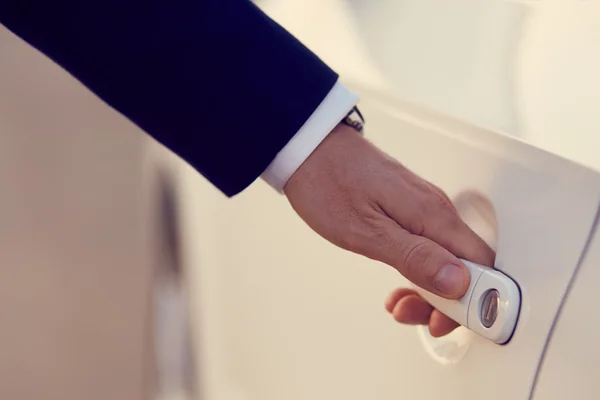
<point x="498" y="97"/>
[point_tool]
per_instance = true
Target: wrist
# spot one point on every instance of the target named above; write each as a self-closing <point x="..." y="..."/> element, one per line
<point x="336" y="146"/>
<point x="333" y="109"/>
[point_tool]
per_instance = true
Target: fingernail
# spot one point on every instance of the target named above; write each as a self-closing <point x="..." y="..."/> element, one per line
<point x="450" y="280"/>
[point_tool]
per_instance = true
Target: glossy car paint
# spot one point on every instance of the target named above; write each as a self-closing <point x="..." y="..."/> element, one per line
<point x="496" y="97"/>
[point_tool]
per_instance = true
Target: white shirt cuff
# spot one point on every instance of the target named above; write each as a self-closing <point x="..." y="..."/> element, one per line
<point x="338" y="102"/>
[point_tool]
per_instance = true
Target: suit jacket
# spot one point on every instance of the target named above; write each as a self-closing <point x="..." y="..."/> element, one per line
<point x="216" y="81"/>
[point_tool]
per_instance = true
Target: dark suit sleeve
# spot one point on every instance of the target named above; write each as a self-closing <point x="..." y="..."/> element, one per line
<point x="216" y="81"/>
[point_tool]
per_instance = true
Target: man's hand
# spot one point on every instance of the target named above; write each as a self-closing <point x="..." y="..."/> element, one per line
<point x="362" y="200"/>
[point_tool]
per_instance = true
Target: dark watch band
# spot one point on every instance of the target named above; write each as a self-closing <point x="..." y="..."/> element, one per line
<point x="350" y="120"/>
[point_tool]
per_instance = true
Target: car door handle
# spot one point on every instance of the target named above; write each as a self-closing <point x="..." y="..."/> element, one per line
<point x="490" y="307"/>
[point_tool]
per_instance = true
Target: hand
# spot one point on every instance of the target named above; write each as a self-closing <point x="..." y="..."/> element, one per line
<point x="362" y="200"/>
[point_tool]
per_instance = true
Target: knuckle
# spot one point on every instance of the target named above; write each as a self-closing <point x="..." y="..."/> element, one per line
<point x="440" y="192"/>
<point x="442" y="203"/>
<point x="416" y="224"/>
<point x="442" y="216"/>
<point x="415" y="257"/>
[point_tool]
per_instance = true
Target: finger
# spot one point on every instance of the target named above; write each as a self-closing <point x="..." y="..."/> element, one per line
<point x="440" y="325"/>
<point x="456" y="236"/>
<point x="407" y="307"/>
<point x="451" y="232"/>
<point x="441" y="193"/>
<point x="412" y="310"/>
<point x="395" y="297"/>
<point x="417" y="311"/>
<point x="430" y="213"/>
<point x="418" y="259"/>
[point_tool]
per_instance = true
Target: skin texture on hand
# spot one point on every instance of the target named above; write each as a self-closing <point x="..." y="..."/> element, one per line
<point x="362" y="200"/>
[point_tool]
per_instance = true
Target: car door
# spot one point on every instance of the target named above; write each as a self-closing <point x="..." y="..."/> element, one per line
<point x="297" y="318"/>
<point x="303" y="319"/>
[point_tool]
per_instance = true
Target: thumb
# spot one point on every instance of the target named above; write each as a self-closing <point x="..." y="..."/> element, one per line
<point x="422" y="261"/>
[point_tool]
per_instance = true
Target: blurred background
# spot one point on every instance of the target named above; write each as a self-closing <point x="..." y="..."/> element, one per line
<point x="125" y="275"/>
